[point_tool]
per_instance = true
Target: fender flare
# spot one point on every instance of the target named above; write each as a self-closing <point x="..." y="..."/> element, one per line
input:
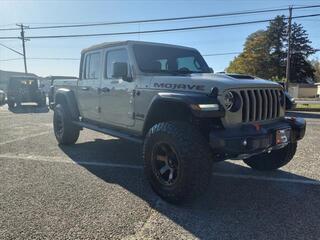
<point x="186" y="99"/>
<point x="67" y="96"/>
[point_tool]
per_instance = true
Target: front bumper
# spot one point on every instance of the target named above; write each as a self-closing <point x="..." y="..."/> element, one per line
<point x="253" y="139"/>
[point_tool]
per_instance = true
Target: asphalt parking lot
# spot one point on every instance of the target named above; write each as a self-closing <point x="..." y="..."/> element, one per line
<point x="96" y="190"/>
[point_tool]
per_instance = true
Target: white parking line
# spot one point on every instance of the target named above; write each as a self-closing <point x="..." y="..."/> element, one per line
<point x="313" y="123"/>
<point x="139" y="167"/>
<point x="23" y="138"/>
<point x="264" y="178"/>
<point x="60" y="160"/>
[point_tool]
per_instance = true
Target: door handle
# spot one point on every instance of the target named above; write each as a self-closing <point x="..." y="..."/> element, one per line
<point x="85" y="88"/>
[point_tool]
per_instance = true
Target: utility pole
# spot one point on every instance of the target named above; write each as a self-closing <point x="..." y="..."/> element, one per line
<point x="289" y="50"/>
<point x="23" y="46"/>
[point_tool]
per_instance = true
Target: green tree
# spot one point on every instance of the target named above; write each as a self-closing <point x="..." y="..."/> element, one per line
<point x="301" y="68"/>
<point x="265" y="53"/>
<point x="277" y="36"/>
<point x="254" y="59"/>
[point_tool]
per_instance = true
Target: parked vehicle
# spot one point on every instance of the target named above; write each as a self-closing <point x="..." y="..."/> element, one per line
<point x="2" y="97"/>
<point x="167" y="98"/>
<point x="59" y="81"/>
<point x="24" y="89"/>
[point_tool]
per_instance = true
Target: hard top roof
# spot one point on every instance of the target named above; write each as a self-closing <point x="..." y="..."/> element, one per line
<point x="129" y="42"/>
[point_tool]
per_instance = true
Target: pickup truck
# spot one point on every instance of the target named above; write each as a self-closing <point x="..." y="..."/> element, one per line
<point x="59" y="81"/>
<point x="185" y="116"/>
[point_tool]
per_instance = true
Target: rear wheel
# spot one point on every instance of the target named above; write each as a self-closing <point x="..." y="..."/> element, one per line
<point x="177" y="160"/>
<point x="273" y="160"/>
<point x="65" y="130"/>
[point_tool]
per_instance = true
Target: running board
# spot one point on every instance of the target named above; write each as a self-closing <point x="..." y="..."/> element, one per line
<point x="110" y="132"/>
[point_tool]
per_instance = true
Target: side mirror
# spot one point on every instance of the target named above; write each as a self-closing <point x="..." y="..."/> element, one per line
<point x="211" y="70"/>
<point x="120" y="70"/>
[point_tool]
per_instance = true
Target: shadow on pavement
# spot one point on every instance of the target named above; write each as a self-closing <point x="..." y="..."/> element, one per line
<point x="303" y="114"/>
<point x="29" y="109"/>
<point x="231" y="209"/>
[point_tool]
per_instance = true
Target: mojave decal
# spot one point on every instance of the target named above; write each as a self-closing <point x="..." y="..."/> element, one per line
<point x="179" y="86"/>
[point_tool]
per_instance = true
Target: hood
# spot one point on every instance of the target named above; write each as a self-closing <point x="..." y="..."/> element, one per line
<point x="204" y="82"/>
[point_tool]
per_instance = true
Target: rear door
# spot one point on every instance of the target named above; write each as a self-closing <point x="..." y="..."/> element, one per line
<point x="116" y="98"/>
<point x="88" y="85"/>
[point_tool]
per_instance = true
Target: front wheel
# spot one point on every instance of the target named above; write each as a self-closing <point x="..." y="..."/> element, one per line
<point x="177" y="160"/>
<point x="65" y="130"/>
<point x="273" y="160"/>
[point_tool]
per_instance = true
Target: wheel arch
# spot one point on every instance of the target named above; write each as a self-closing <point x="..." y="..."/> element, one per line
<point x="177" y="106"/>
<point x="67" y="97"/>
<point x="163" y="109"/>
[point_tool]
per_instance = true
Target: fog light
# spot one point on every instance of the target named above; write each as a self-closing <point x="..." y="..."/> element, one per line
<point x="205" y="107"/>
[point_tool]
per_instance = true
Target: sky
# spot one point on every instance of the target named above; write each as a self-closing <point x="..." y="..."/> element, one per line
<point x="207" y="41"/>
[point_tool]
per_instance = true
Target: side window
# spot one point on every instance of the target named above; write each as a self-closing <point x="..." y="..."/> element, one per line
<point x="120" y="55"/>
<point x="188" y="62"/>
<point x="92" y="66"/>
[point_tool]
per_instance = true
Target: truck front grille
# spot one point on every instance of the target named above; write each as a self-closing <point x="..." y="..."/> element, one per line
<point x="260" y="104"/>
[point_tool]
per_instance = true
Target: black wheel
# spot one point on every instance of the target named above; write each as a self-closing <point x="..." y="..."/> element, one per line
<point x="11" y="104"/>
<point x="273" y="160"/>
<point x="177" y="160"/>
<point x="65" y="130"/>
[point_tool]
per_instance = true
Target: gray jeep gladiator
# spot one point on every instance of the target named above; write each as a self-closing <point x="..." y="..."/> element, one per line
<point x="168" y="99"/>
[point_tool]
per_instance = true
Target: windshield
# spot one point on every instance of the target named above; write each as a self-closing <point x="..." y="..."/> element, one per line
<point x="162" y="59"/>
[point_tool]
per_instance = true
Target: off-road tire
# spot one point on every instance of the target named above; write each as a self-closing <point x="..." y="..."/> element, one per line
<point x="273" y="160"/>
<point x="194" y="155"/>
<point x="65" y="130"/>
<point x="11" y="104"/>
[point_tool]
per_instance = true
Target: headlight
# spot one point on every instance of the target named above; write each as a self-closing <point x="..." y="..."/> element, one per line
<point x="232" y="101"/>
<point x="229" y="100"/>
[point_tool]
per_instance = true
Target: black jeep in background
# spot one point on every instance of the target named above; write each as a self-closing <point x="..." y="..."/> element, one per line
<point x="24" y="89"/>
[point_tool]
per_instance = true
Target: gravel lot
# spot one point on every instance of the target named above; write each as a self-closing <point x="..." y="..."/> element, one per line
<point x="96" y="190"/>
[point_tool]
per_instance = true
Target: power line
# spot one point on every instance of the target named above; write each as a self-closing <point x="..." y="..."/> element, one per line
<point x="165" y="19"/>
<point x="163" y="30"/>
<point x="11" y="49"/>
<point x="161" y="19"/>
<point x="38" y="58"/>
<point x="77" y="59"/>
<point x="10" y="59"/>
<point x="156" y="31"/>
